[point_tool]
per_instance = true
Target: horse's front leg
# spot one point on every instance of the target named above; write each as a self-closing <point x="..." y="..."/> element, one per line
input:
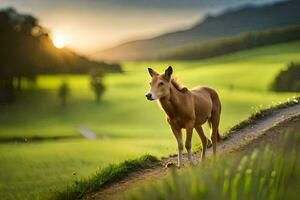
<point x="188" y="141"/>
<point x="178" y="135"/>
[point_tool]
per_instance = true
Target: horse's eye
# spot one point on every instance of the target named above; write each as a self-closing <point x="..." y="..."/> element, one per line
<point x="161" y="83"/>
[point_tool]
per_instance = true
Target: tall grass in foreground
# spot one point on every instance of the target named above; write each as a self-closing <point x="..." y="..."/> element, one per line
<point x="268" y="173"/>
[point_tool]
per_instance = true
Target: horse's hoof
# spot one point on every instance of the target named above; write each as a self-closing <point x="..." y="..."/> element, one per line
<point x="171" y="165"/>
<point x="179" y="167"/>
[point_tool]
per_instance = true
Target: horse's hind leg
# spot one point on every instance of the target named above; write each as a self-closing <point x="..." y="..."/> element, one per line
<point x="209" y="142"/>
<point x="203" y="141"/>
<point x="215" y="120"/>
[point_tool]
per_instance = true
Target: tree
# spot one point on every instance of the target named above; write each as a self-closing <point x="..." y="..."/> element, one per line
<point x="63" y="93"/>
<point x="97" y="83"/>
<point x="19" y="46"/>
<point x="288" y="79"/>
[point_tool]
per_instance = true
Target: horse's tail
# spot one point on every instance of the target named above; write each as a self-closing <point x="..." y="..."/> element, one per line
<point x="216" y="114"/>
<point x="211" y="130"/>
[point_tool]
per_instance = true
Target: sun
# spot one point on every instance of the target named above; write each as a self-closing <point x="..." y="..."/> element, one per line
<point x="59" y="42"/>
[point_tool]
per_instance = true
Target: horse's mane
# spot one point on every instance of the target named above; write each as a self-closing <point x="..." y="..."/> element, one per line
<point x="177" y="84"/>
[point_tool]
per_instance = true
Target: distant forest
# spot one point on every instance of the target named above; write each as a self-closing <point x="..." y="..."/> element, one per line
<point x="234" y="44"/>
<point x="27" y="50"/>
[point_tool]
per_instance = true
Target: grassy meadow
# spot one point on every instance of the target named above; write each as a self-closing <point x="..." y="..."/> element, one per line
<point x="127" y="125"/>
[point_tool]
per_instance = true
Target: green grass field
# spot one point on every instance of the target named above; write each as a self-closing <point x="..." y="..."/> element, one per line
<point x="126" y="124"/>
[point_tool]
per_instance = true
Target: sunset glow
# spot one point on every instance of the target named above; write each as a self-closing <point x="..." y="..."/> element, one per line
<point x="59" y="42"/>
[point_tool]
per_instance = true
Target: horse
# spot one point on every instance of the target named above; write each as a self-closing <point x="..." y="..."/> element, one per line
<point x="186" y="109"/>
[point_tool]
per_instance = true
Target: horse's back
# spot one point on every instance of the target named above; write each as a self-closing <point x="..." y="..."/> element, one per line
<point x="204" y="92"/>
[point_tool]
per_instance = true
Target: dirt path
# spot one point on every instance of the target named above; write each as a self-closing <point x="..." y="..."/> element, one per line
<point x="242" y="140"/>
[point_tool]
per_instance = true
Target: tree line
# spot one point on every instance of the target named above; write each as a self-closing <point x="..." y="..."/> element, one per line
<point x="234" y="44"/>
<point x="27" y="50"/>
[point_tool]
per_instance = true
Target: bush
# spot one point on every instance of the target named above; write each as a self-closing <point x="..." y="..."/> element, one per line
<point x="288" y="80"/>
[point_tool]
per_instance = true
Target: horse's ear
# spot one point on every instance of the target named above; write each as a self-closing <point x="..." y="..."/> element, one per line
<point x="168" y="73"/>
<point x="152" y="72"/>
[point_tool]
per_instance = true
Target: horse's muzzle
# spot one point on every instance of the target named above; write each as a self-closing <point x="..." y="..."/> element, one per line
<point x="149" y="96"/>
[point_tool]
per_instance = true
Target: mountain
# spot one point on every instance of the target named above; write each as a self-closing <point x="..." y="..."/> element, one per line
<point x="227" y="24"/>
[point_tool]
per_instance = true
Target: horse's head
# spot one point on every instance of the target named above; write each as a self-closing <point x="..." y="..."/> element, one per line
<point x="160" y="84"/>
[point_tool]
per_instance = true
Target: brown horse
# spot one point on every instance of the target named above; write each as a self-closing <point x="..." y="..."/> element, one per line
<point x="187" y="109"/>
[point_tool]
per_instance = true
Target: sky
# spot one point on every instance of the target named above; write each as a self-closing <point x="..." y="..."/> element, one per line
<point x="91" y="25"/>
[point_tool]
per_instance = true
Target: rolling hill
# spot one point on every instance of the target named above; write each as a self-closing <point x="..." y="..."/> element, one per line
<point x="237" y="43"/>
<point x="227" y="24"/>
